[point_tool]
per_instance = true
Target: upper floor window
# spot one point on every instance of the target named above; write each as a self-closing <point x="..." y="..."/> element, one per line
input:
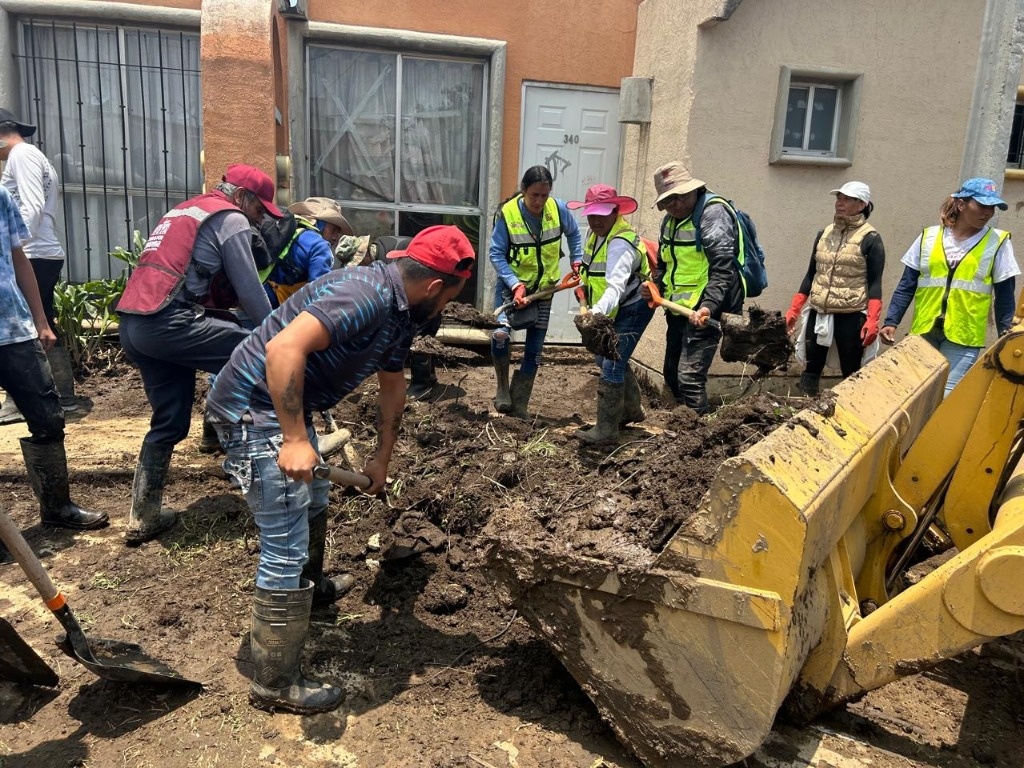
<point x="812" y="119"/>
<point x="119" y="116"/>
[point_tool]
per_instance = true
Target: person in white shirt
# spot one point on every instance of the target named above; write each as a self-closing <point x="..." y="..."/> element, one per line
<point x="32" y="181"/>
<point x="956" y="274"/>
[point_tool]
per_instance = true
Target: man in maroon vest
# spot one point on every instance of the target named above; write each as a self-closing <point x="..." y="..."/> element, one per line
<point x="171" y="323"/>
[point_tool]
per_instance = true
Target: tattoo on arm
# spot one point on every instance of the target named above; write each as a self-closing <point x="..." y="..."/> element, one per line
<point x="291" y="398"/>
<point x="393" y="427"/>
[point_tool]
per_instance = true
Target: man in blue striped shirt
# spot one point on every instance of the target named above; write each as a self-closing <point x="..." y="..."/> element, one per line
<point x="308" y="354"/>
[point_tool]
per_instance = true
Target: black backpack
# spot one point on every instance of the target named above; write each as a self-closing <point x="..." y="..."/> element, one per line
<point x="385" y="244"/>
<point x="752" y="270"/>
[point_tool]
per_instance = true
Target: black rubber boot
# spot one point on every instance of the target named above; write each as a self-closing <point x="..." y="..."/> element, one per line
<point x="503" y="397"/>
<point x="210" y="441"/>
<point x="520" y="391"/>
<point x="280" y="620"/>
<point x="424" y="379"/>
<point x="148" y="519"/>
<point x="325" y="589"/>
<point x="609" y="413"/>
<point x="809" y="384"/>
<point x="632" y="406"/>
<point x="47" y="466"/>
<point x="694" y="393"/>
<point x="63" y="377"/>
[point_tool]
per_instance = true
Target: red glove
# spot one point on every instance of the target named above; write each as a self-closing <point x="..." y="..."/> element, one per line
<point x="869" y="331"/>
<point x="793" y="313"/>
<point x="519" y="295"/>
<point x="576" y="268"/>
<point x="581" y="295"/>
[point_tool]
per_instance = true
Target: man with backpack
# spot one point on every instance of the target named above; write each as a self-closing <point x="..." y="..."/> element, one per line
<point x="699" y="267"/>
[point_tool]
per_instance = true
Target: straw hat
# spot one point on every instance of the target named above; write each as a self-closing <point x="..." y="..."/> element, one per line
<point x="322" y="209"/>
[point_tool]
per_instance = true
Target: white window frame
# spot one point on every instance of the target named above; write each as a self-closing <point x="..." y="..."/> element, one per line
<point x="844" y="128"/>
<point x="836" y="117"/>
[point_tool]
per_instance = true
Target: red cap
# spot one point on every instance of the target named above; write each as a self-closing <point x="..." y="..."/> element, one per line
<point x="442" y="247"/>
<point x="254" y="180"/>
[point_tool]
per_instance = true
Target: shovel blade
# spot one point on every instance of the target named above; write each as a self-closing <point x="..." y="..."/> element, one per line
<point x="123" y="662"/>
<point x="19" y="663"/>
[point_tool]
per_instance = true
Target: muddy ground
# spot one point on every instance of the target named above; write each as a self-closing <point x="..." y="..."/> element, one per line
<point x="438" y="671"/>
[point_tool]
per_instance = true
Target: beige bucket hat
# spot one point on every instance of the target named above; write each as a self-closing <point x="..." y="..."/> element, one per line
<point x="673" y="179"/>
<point x="322" y="209"/>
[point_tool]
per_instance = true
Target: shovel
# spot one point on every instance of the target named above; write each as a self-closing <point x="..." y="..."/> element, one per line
<point x="19" y="663"/>
<point x="340" y="476"/>
<point x="567" y="282"/>
<point x="109" y="659"/>
<point x="656" y="300"/>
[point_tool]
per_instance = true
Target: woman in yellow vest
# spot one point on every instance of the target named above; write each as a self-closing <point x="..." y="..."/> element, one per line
<point x="955" y="273"/>
<point x="843" y="287"/>
<point x="613" y="269"/>
<point x="526" y="246"/>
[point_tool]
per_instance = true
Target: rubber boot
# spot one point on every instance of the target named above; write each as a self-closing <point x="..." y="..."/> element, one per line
<point x="9" y="413"/>
<point x="47" y="466"/>
<point x="503" y="398"/>
<point x="325" y="589"/>
<point x="421" y="366"/>
<point x="632" y="407"/>
<point x="694" y="394"/>
<point x="6" y="558"/>
<point x="148" y="519"/>
<point x="520" y="391"/>
<point x="609" y="413"/>
<point x="210" y="441"/>
<point x="809" y="384"/>
<point x="63" y="377"/>
<point x="280" y="620"/>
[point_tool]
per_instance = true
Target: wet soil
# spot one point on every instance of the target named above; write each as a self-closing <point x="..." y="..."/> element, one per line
<point x="438" y="669"/>
<point x="598" y="333"/>
<point x="759" y="339"/>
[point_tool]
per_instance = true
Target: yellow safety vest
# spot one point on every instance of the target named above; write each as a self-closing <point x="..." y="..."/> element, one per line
<point x="534" y="256"/>
<point x="686" y="266"/>
<point x="962" y="298"/>
<point x="595" y="264"/>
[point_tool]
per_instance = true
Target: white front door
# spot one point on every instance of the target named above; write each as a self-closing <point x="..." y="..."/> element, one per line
<point x="575" y="132"/>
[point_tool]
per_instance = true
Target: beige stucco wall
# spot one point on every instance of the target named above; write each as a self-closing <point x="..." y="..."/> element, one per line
<point x="592" y="44"/>
<point x="912" y="119"/>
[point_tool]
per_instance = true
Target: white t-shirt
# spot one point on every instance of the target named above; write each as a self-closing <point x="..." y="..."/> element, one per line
<point x="1004" y="268"/>
<point x="32" y="182"/>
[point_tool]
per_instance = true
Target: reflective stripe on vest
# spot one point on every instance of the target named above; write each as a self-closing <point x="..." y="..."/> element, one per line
<point x="686" y="266"/>
<point x="968" y="297"/>
<point x="534" y="258"/>
<point x="160" y="273"/>
<point x="595" y="265"/>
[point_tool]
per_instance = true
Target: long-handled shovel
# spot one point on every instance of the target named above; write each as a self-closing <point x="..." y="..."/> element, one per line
<point x="569" y="281"/>
<point x="340" y="476"/>
<point x="109" y="659"/>
<point x="656" y="300"/>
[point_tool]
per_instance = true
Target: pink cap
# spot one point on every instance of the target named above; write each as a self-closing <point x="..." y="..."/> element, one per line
<point x="602" y="200"/>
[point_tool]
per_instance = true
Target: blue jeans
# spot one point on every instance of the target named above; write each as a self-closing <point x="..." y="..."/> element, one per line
<point x="630" y="323"/>
<point x="26" y="377"/>
<point x="960" y="359"/>
<point x="500" y="339"/>
<point x="281" y="506"/>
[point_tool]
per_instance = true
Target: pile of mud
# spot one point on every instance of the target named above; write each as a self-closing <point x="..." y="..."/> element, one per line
<point x="475" y="476"/>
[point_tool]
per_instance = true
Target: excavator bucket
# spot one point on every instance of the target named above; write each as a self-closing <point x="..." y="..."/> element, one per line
<point x="691" y="659"/>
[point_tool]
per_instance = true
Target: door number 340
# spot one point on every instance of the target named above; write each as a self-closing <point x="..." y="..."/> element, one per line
<point x="571" y="138"/>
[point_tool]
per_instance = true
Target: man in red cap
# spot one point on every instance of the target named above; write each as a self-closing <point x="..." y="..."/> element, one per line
<point x="197" y="264"/>
<point x="315" y="349"/>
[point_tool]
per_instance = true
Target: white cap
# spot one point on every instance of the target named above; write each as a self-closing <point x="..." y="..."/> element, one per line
<point x="857" y="189"/>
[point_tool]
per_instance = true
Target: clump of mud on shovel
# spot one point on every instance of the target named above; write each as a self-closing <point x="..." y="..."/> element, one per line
<point x="464" y="314"/>
<point x="760" y="339"/>
<point x="598" y="332"/>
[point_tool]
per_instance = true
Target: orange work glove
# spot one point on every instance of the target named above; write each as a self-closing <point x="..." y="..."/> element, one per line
<point x="519" y="295"/>
<point x="869" y="331"/>
<point x="793" y="313"/>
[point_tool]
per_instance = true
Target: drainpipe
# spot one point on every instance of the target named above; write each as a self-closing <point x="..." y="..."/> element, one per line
<point x="995" y="91"/>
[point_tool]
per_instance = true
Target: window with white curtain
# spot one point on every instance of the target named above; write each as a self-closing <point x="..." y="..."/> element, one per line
<point x="119" y="116"/>
<point x="397" y="139"/>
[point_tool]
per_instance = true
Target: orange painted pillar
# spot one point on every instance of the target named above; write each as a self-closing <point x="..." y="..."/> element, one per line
<point x="238" y="74"/>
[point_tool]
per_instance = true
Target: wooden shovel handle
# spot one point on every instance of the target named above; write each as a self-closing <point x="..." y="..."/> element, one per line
<point x="679" y="309"/>
<point x="340" y="476"/>
<point x="29" y="562"/>
<point x="567" y="282"/>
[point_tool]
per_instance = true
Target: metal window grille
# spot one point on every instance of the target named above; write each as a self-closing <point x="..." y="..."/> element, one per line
<point x="118" y="111"/>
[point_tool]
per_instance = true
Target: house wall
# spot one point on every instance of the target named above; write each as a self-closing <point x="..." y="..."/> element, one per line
<point x="918" y="60"/>
<point x="591" y="43"/>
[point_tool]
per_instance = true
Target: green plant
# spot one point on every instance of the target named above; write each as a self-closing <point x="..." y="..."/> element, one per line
<point x="85" y="313"/>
